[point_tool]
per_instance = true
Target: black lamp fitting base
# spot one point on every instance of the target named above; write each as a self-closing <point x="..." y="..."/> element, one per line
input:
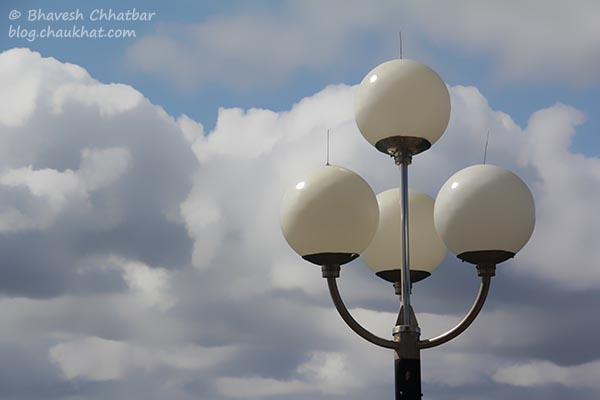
<point x="393" y="275"/>
<point x="330" y="258"/>
<point x="486" y="256"/>
<point x="407" y="146"/>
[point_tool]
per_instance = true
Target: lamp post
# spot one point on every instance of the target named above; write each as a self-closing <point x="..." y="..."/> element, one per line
<point x="484" y="214"/>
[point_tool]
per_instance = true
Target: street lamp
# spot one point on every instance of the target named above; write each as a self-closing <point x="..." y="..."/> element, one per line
<point x="484" y="214"/>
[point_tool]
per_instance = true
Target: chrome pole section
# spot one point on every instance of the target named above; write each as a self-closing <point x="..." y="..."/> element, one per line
<point x="405" y="160"/>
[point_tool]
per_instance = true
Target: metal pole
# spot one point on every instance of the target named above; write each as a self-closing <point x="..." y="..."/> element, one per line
<point x="405" y="271"/>
<point x="407" y="360"/>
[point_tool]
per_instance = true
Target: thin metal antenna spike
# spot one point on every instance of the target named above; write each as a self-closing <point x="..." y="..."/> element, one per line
<point x="486" y="146"/>
<point x="400" y="42"/>
<point x="327" y="147"/>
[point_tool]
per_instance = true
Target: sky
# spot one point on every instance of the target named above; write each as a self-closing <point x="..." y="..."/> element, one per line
<point x="141" y="176"/>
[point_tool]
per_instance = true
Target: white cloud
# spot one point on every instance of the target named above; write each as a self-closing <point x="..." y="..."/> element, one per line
<point x="108" y="99"/>
<point x="102" y="167"/>
<point x="22" y="81"/>
<point x="331" y="373"/>
<point x="204" y="221"/>
<point x="54" y="185"/>
<point x="191" y="129"/>
<point x="324" y="373"/>
<point x="251" y="156"/>
<point x="151" y="285"/>
<point x="456" y="369"/>
<point x="92" y="358"/>
<point x="567" y="189"/>
<point x="539" y="373"/>
<point x="253" y="387"/>
<point x="98" y="359"/>
<point x="245" y="186"/>
<point x="98" y="161"/>
<point x="91" y="176"/>
<point x="98" y="169"/>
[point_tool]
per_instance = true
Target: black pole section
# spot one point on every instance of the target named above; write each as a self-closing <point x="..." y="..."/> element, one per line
<point x="407" y="359"/>
<point x="408" y="379"/>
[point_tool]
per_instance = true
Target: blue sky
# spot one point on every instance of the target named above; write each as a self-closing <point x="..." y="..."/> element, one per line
<point x="107" y="61"/>
<point x="140" y="182"/>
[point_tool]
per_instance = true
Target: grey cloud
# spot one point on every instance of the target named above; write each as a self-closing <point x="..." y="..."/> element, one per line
<point x="135" y="215"/>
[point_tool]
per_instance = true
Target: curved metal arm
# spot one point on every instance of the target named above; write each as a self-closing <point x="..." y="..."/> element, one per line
<point x="351" y="322"/>
<point x="467" y="320"/>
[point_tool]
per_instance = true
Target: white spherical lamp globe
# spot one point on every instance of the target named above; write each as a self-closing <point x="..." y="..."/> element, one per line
<point x="330" y="216"/>
<point x="402" y="98"/>
<point x="426" y="249"/>
<point x="484" y="214"/>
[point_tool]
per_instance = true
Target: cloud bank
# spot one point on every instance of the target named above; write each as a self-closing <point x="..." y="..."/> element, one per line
<point x="143" y="257"/>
